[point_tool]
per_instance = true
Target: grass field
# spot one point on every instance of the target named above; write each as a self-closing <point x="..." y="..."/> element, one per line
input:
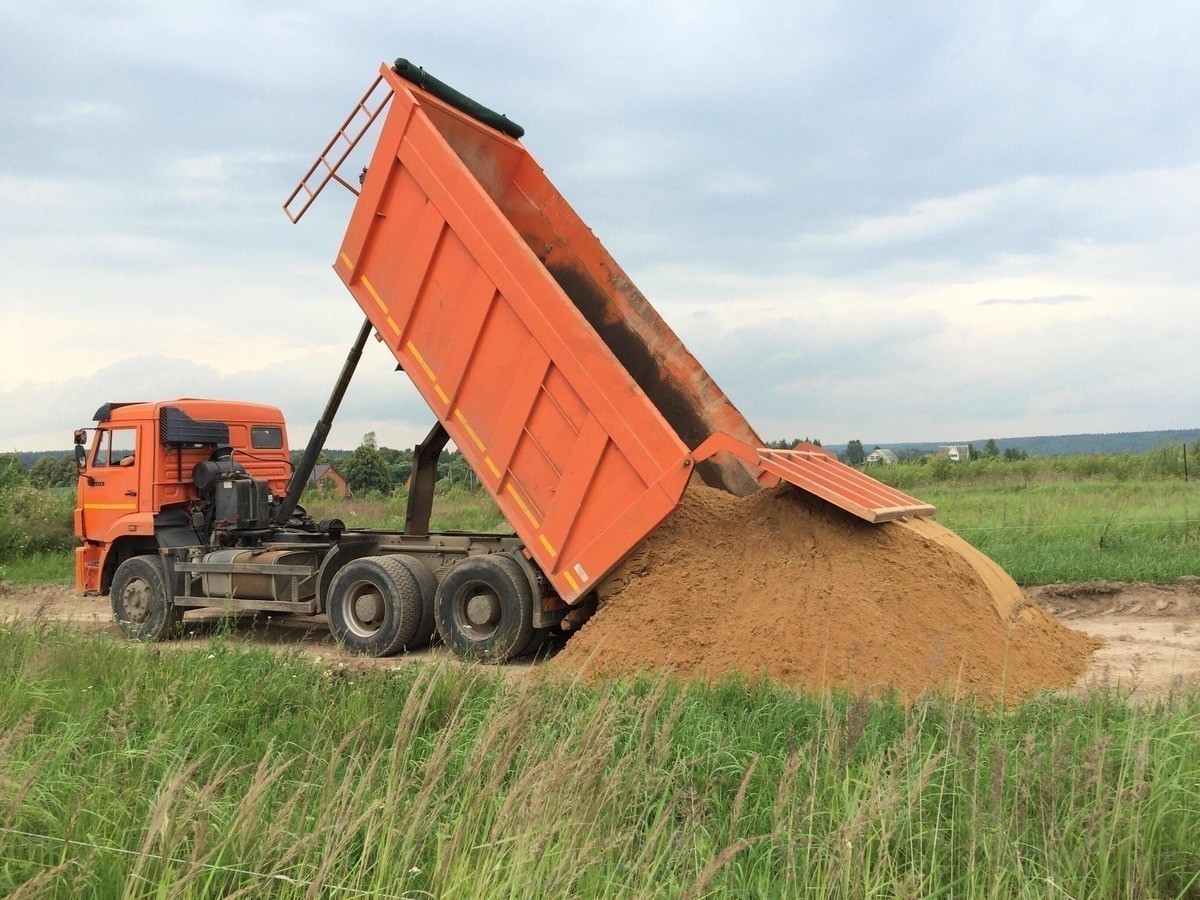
<point x="224" y="772"/>
<point x="49" y="567"/>
<point x="1055" y="527"/>
<point x="453" y="510"/>
<point x="1043" y="532"/>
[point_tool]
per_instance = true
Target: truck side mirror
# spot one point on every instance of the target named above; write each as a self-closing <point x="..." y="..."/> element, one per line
<point x="80" y="456"/>
<point x="80" y="435"/>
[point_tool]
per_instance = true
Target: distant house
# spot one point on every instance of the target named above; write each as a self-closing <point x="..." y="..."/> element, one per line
<point x="329" y="478"/>
<point x="882" y="455"/>
<point x="955" y="452"/>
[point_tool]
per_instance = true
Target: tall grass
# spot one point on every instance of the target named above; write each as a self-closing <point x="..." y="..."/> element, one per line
<point x="1163" y="463"/>
<point x="223" y="773"/>
<point x="1051" y="531"/>
<point x="34" y="521"/>
<point x="39" y="568"/>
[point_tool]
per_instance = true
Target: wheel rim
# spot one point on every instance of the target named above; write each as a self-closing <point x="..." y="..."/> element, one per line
<point x="138" y="598"/>
<point x="478" y="611"/>
<point x="363" y="609"/>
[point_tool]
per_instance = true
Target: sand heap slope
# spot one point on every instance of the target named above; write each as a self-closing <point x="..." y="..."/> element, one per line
<point x="784" y="584"/>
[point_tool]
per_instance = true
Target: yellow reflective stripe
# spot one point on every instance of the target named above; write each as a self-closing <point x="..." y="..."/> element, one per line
<point x="395" y="327"/>
<point x="424" y="365"/>
<point x="441" y="393"/>
<point x="110" y="506"/>
<point x="492" y="466"/>
<point x="570" y="581"/>
<point x="546" y="544"/>
<point x="371" y="291"/>
<point x="458" y="414"/>
<point x="521" y="503"/>
<point x="344" y="258"/>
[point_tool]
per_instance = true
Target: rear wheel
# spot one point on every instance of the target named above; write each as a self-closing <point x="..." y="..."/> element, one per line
<point x="544" y="643"/>
<point x="141" y="606"/>
<point x="485" y="608"/>
<point x="427" y="583"/>
<point x="374" y="606"/>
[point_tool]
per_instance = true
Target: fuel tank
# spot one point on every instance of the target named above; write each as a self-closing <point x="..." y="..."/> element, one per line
<point x="261" y="584"/>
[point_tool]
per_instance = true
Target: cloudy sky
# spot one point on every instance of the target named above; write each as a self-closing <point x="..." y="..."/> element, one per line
<point x="939" y="222"/>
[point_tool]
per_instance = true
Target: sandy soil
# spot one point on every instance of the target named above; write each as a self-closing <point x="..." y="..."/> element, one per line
<point x="1152" y="632"/>
<point x="783" y="584"/>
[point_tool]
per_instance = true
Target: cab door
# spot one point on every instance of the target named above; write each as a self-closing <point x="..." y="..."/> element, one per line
<point x="111" y="481"/>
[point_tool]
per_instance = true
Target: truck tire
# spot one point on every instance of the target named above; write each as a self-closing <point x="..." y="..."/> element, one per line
<point x="141" y="604"/>
<point x="374" y="606"/>
<point x="544" y="643"/>
<point x="427" y="582"/>
<point x="485" y="609"/>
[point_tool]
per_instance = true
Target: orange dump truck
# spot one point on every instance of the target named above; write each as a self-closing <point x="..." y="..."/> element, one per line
<point x="579" y="409"/>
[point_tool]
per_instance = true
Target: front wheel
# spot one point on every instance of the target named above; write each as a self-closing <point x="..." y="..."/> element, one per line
<point x="140" y="603"/>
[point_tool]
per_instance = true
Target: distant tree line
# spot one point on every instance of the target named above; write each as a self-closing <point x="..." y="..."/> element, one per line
<point x="48" y="471"/>
<point x="370" y="467"/>
<point x="1162" y="463"/>
<point x="788" y="444"/>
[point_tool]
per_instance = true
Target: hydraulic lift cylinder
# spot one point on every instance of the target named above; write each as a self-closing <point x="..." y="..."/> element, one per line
<point x="316" y="443"/>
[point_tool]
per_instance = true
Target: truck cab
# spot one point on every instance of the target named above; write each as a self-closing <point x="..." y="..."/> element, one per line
<point x="188" y="504"/>
<point x="136" y="493"/>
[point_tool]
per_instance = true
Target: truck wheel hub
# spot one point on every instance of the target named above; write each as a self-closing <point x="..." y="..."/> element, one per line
<point x="483" y="610"/>
<point x="137" y="600"/>
<point x="364" y="610"/>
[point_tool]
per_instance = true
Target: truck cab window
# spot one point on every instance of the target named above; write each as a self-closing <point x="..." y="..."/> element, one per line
<point x="119" y="447"/>
<point x="100" y="450"/>
<point x="266" y="437"/>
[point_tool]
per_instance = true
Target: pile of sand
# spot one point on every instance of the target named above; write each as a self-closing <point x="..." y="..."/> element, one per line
<point x="784" y="584"/>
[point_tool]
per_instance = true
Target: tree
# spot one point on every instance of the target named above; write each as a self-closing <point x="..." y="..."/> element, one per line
<point x="68" y="471"/>
<point x="12" y="470"/>
<point x="400" y="463"/>
<point x="366" y="469"/>
<point x="44" y="473"/>
<point x="786" y="444"/>
<point x="1012" y="454"/>
<point x="972" y="453"/>
<point x="990" y="450"/>
<point x="854" y="453"/>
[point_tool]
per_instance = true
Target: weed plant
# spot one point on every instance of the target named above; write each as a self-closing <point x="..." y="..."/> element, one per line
<point x="138" y="771"/>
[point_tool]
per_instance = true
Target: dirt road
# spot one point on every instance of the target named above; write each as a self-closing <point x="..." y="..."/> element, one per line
<point x="1152" y="631"/>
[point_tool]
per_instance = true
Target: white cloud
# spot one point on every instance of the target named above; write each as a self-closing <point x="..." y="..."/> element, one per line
<point x="79" y="114"/>
<point x="826" y="203"/>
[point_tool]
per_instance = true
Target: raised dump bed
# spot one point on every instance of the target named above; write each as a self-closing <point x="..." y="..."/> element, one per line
<point x="580" y="410"/>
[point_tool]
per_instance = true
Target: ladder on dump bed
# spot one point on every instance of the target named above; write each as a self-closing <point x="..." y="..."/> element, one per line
<point x="357" y="124"/>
